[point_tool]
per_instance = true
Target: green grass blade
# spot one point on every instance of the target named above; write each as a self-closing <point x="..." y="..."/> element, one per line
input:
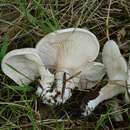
<point x="4" y="46"/>
<point x="23" y="89"/>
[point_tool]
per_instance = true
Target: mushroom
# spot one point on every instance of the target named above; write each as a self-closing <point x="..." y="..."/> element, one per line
<point x="23" y="66"/>
<point x="69" y="53"/>
<point x="117" y="72"/>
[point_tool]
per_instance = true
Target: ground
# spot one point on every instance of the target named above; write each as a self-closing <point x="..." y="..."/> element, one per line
<point x="22" y="24"/>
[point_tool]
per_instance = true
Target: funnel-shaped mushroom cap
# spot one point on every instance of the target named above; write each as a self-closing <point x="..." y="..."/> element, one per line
<point x="23" y="65"/>
<point x="69" y="47"/>
<point x="114" y="62"/>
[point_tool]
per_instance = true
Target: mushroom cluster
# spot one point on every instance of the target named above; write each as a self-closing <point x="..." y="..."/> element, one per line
<point x="64" y="60"/>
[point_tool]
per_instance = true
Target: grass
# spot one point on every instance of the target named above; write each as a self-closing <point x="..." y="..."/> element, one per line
<point x="22" y="24"/>
<point x="4" y="45"/>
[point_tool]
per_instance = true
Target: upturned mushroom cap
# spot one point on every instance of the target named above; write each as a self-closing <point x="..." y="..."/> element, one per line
<point x="23" y="65"/>
<point x="68" y="48"/>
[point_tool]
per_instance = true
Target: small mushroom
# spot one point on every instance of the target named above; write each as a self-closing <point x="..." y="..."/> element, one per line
<point x="116" y="68"/>
<point x="69" y="52"/>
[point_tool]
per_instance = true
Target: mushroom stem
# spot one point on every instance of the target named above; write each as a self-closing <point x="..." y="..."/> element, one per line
<point x="65" y="83"/>
<point x="107" y="92"/>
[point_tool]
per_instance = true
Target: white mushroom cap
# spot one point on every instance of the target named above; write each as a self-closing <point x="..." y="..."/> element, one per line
<point x="23" y="65"/>
<point x="69" y="47"/>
